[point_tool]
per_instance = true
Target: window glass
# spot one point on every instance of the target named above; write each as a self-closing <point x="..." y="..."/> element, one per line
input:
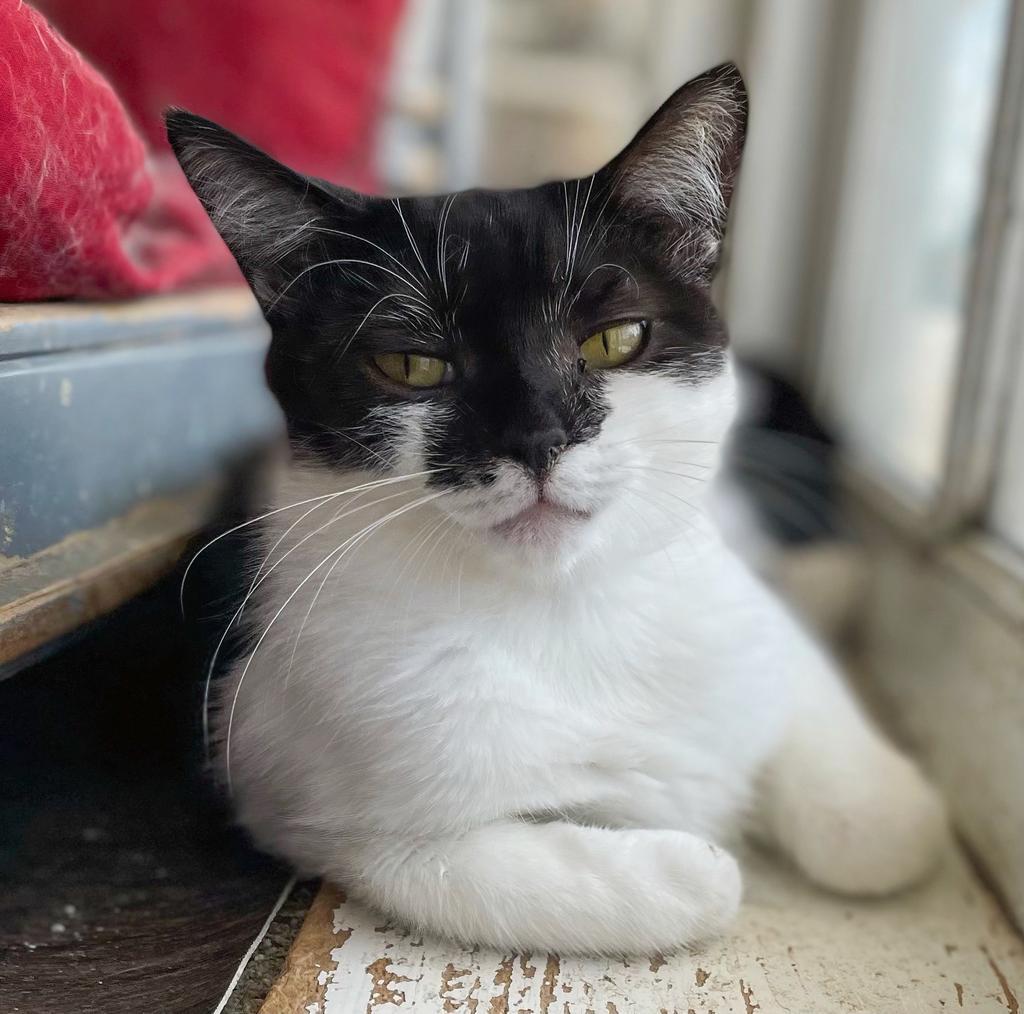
<point x="926" y="89"/>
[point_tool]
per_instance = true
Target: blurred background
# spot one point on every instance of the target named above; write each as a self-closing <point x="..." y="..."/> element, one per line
<point x="873" y="273"/>
<point x="863" y="188"/>
<point x="876" y="205"/>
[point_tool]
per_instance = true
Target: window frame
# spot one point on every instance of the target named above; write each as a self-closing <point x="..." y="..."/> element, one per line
<point x="953" y="529"/>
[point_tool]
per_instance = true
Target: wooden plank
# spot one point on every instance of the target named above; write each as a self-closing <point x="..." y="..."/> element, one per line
<point x="45" y="328"/>
<point x="49" y="594"/>
<point x="308" y="965"/>
<point x="796" y="950"/>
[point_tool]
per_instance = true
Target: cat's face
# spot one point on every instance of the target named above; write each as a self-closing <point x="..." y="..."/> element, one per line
<point x="548" y="359"/>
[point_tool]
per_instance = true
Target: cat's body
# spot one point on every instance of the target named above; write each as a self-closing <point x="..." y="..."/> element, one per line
<point x="503" y="678"/>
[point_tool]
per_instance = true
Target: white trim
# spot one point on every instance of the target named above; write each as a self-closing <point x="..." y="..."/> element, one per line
<point x="1006" y="517"/>
<point x="281" y="899"/>
<point x="987" y="562"/>
<point x="990" y="352"/>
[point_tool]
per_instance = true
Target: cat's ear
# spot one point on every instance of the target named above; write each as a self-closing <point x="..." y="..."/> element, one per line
<point x="267" y="214"/>
<point x="677" y="175"/>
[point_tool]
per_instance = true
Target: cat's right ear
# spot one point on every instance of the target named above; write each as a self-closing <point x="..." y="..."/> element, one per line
<point x="267" y="214"/>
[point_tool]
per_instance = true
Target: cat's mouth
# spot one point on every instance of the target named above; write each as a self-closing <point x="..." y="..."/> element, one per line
<point x="542" y="520"/>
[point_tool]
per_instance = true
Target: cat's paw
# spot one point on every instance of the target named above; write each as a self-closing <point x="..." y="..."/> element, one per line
<point x="704" y="881"/>
<point x="724" y="893"/>
<point x="870" y="831"/>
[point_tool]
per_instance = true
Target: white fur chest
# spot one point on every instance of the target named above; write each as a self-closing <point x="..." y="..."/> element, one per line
<point x="644" y="696"/>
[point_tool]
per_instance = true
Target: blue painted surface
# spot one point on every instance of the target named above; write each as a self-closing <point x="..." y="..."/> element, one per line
<point x="43" y="328"/>
<point x="91" y="425"/>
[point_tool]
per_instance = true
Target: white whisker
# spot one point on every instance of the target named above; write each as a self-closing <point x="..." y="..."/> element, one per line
<point x="231" y="531"/>
<point x="354" y="539"/>
<point x="377" y="246"/>
<point x="343" y="548"/>
<point x="338" y="260"/>
<point x="662" y="471"/>
<point x="408" y="233"/>
<point x="442" y="271"/>
<point x="593" y="271"/>
<point x="261" y="577"/>
<point x="369" y="313"/>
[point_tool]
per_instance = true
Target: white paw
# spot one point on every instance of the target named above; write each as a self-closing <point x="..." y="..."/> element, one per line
<point x="871" y="831"/>
<point x="705" y="884"/>
<point x="724" y="893"/>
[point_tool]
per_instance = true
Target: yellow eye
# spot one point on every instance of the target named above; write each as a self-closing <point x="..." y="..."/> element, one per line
<point x="411" y="370"/>
<point x="613" y="346"/>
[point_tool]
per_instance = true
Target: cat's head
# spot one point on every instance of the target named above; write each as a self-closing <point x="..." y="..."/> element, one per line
<point x="549" y="358"/>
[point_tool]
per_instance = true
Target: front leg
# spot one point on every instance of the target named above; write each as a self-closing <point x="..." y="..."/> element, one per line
<point x="519" y="885"/>
<point x="476" y="840"/>
<point x="854" y="814"/>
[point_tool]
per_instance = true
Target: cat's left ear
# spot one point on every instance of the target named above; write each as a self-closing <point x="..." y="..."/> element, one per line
<point x="676" y="177"/>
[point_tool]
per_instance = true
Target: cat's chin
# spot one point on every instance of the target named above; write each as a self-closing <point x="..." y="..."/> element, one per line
<point x="543" y="524"/>
<point x="543" y="539"/>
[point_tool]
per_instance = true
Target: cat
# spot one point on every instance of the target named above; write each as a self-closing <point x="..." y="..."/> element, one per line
<point x="502" y="678"/>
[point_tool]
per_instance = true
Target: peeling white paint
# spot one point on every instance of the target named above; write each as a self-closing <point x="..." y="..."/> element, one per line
<point x="795" y="950"/>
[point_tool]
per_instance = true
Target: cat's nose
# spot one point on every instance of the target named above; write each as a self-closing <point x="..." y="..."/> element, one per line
<point x="536" y="449"/>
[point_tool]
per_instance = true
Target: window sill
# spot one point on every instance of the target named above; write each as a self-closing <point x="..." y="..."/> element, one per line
<point x="945" y="945"/>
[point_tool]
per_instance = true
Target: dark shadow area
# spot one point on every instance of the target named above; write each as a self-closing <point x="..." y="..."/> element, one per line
<point x="122" y="885"/>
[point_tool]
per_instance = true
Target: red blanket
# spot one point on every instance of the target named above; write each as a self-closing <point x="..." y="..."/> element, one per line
<point x="92" y="205"/>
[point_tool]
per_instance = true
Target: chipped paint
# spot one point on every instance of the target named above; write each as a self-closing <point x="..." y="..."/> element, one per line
<point x="384" y="979"/>
<point x="452" y="984"/>
<point x="793" y="951"/>
<point x="6" y="527"/>
<point x="748" y="998"/>
<point x="547" y="987"/>
<point x="49" y="593"/>
<point x="503" y="979"/>
<point x="310" y="962"/>
<point x="1012" y="1004"/>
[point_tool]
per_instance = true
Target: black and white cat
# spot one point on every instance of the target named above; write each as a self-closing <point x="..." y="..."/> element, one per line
<point x="503" y="679"/>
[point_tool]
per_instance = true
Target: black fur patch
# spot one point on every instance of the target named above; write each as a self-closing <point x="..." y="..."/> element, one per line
<point x="505" y="285"/>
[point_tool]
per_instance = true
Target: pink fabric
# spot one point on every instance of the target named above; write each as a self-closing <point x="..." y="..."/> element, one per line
<point x="88" y="208"/>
